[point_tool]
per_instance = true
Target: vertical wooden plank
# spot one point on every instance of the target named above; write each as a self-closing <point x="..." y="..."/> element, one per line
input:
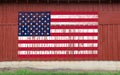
<point x="14" y="39"/>
<point x="11" y="17"/>
<point x="105" y="42"/>
<point x="100" y="42"/>
<point x="0" y="14"/>
<point x="4" y="13"/>
<point x="115" y="44"/>
<point x="6" y="43"/>
<point x="1" y="42"/>
<point x="118" y="41"/>
<point x="110" y="42"/>
<point x="9" y="42"/>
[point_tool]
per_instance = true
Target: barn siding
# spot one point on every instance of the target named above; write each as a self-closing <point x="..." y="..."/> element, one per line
<point x="9" y="12"/>
<point x="109" y="42"/>
<point x="118" y="42"/>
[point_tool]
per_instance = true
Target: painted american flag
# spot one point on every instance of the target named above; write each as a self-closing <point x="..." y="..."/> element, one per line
<point x="57" y="34"/>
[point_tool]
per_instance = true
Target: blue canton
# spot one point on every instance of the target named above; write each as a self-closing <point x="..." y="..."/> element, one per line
<point x="34" y="24"/>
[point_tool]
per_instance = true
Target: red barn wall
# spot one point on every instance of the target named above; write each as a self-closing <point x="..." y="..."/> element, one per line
<point x="109" y="28"/>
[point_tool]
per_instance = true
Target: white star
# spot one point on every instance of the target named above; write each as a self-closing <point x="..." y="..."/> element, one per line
<point x="36" y="28"/>
<point x="36" y="23"/>
<point x="19" y="28"/>
<point x="20" y="19"/>
<point x="25" y="28"/>
<point x="42" y="13"/>
<point x="25" y="23"/>
<point x="39" y="26"/>
<point x="36" y="13"/>
<point x="47" y="13"/>
<point x="34" y="16"/>
<point x="19" y="23"/>
<point x="47" y="33"/>
<point x="30" y="33"/>
<point x="19" y="33"/>
<point x="31" y="13"/>
<point x="23" y="16"/>
<point x="30" y="28"/>
<point x="20" y="13"/>
<point x="39" y="21"/>
<point x="47" y="28"/>
<point x="36" y="33"/>
<point x="25" y="13"/>
<point x="47" y="23"/>
<point x="42" y="18"/>
<point x="33" y="31"/>
<point x="30" y="23"/>
<point x="48" y="19"/>
<point x="23" y="31"/>
<point x="31" y="18"/>
<point x="42" y="28"/>
<point x="39" y="31"/>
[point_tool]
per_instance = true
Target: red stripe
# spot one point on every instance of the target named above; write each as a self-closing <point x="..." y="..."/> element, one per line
<point x="74" y="34"/>
<point x="58" y="57"/>
<point x="74" y="13"/>
<point x="74" y="20"/>
<point x="74" y="27"/>
<point x="58" y="48"/>
<point x="58" y="41"/>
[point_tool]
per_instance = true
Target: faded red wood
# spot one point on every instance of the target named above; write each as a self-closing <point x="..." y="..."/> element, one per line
<point x="100" y="43"/>
<point x="118" y="41"/>
<point x="9" y="42"/>
<point x="115" y="46"/>
<point x="108" y="14"/>
<point x="108" y="44"/>
<point x="109" y="29"/>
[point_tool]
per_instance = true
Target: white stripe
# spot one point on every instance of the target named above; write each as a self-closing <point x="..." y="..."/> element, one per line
<point x="58" y="45"/>
<point x="46" y="52"/>
<point x="74" y="16"/>
<point x="58" y="38"/>
<point x="75" y="23"/>
<point x="74" y="30"/>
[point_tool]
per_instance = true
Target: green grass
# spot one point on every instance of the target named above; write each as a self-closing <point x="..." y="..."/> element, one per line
<point x="28" y="72"/>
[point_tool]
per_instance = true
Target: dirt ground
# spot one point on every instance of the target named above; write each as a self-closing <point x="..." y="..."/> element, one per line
<point x="64" y="66"/>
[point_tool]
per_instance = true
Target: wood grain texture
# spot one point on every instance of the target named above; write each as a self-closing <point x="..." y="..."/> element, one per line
<point x="108" y="14"/>
<point x="109" y="29"/>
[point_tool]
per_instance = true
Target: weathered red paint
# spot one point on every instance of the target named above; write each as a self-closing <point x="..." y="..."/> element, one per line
<point x="109" y="28"/>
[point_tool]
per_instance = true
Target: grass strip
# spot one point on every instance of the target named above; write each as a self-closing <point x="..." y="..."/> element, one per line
<point x="28" y="72"/>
